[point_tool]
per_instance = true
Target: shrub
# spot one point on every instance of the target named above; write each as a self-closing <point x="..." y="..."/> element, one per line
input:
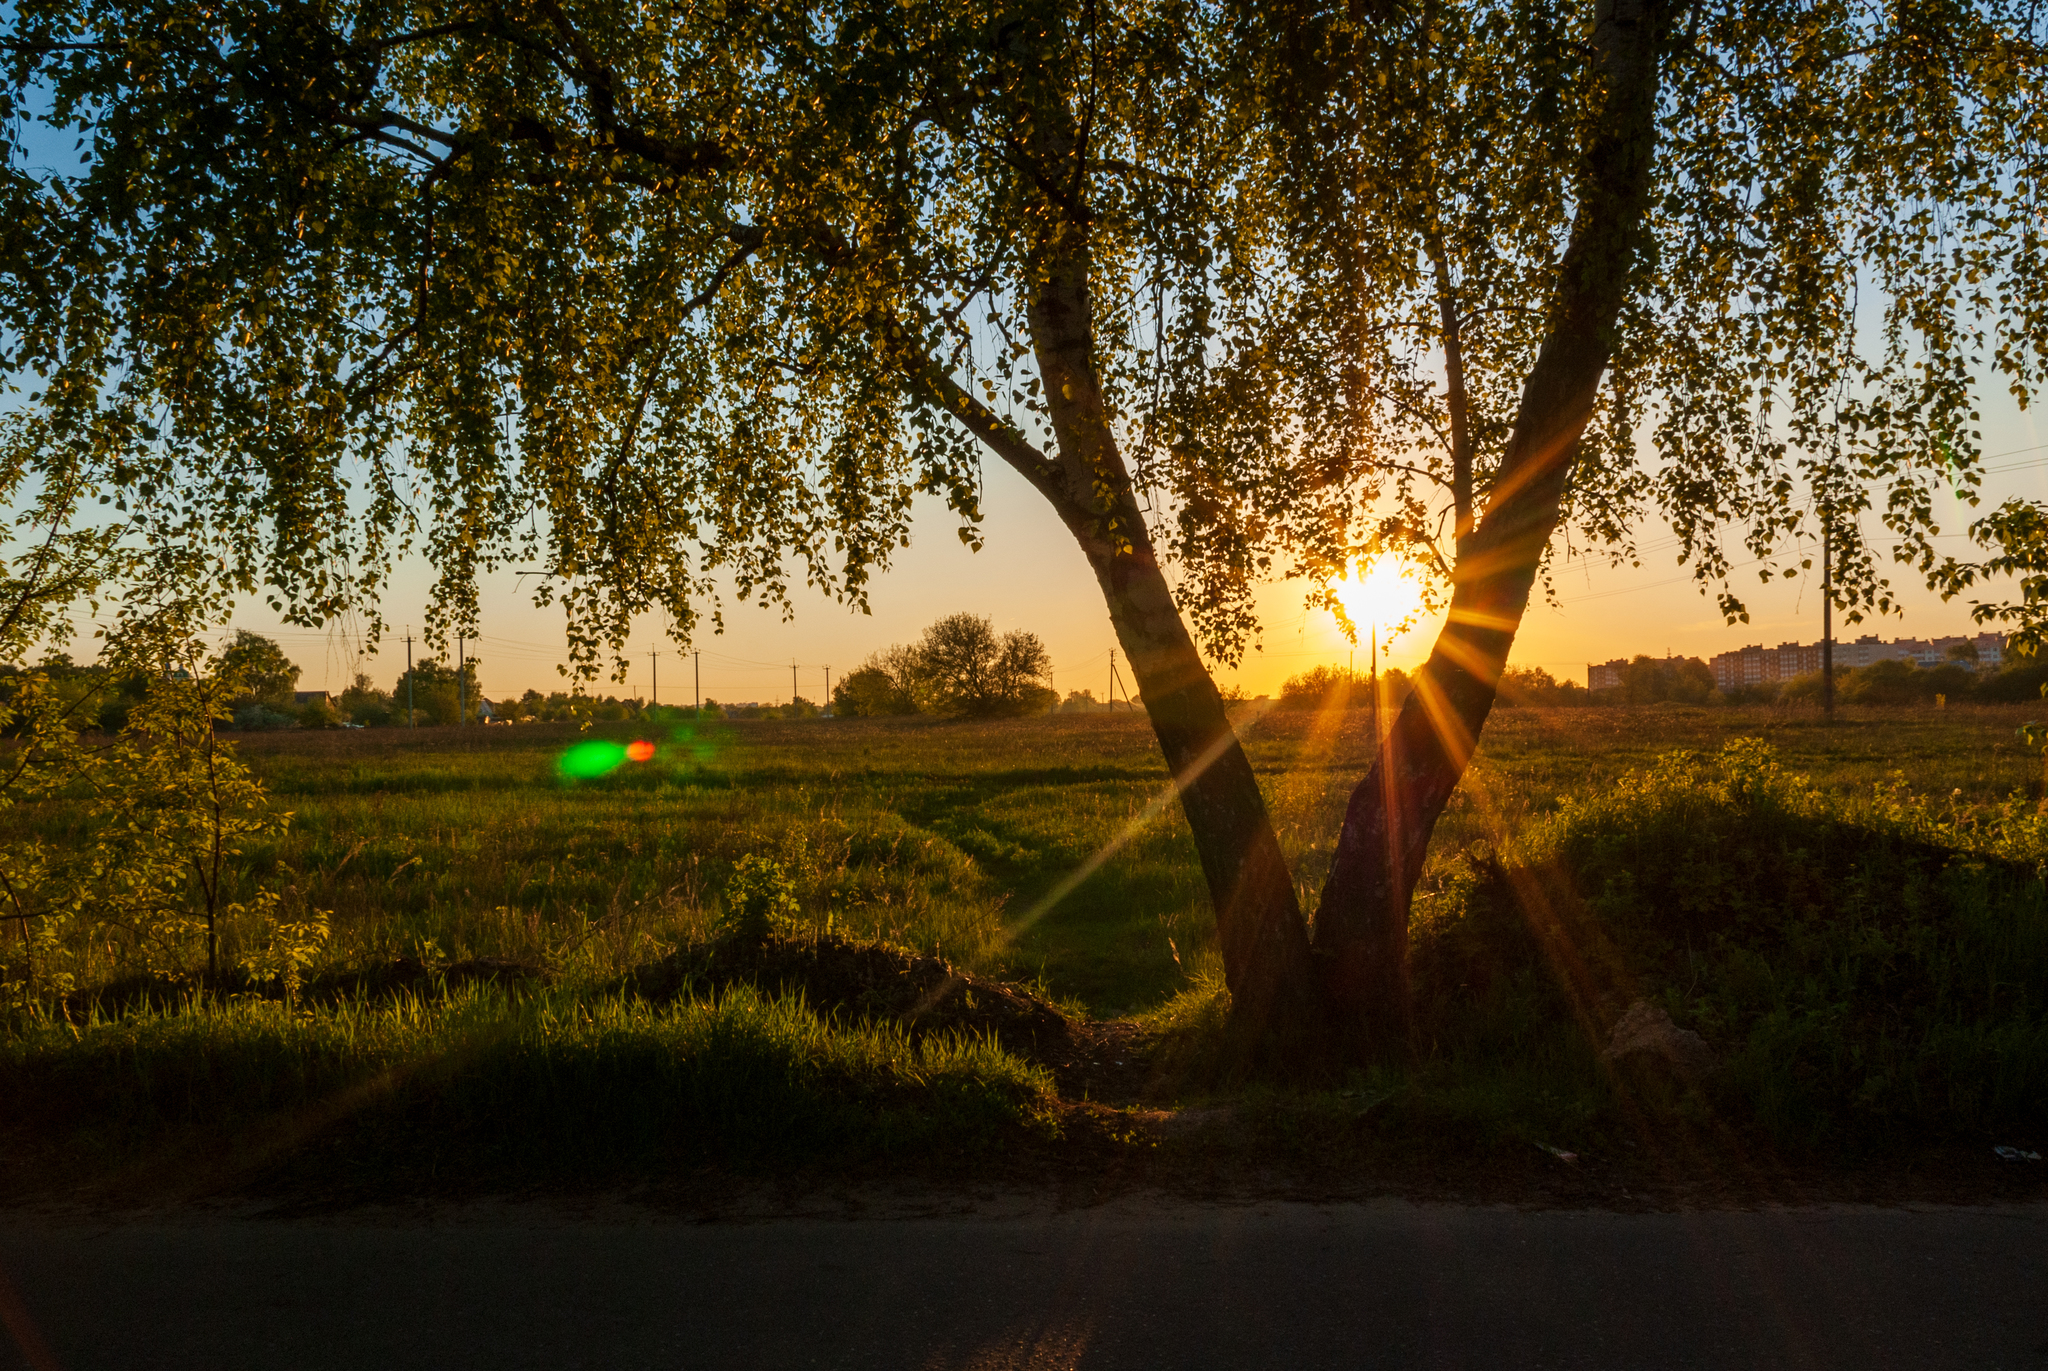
<point x="1533" y="686"/>
<point x="1326" y="687"/>
<point x="760" y="899"/>
<point x="1871" y="965"/>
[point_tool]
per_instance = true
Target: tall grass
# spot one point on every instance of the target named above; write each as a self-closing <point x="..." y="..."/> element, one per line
<point x="491" y="1080"/>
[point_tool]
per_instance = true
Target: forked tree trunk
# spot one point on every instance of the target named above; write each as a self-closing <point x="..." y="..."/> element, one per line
<point x="1361" y="932"/>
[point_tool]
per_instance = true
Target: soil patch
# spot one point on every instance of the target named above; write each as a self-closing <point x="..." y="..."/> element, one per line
<point x="865" y="980"/>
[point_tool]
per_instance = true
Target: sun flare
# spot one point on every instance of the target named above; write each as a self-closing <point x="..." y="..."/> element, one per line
<point x="1380" y="592"/>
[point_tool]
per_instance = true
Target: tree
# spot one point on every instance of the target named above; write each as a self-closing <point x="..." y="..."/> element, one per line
<point x="1767" y="245"/>
<point x="180" y="807"/>
<point x="872" y="690"/>
<point x="258" y="670"/>
<point x="434" y="692"/>
<point x="364" y="704"/>
<point x="643" y="300"/>
<point x="960" y="666"/>
<point x="1327" y="687"/>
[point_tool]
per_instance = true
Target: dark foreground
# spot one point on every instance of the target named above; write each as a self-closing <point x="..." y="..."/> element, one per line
<point x="1126" y="1285"/>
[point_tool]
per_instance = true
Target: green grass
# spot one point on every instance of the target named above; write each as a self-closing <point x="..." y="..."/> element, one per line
<point x="491" y="1082"/>
<point x="1873" y="969"/>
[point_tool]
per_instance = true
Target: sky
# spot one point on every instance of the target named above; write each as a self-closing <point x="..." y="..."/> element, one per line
<point x="1030" y="575"/>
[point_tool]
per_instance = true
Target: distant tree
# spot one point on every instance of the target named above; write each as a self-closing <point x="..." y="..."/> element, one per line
<point x="961" y="666"/>
<point x="1655" y="680"/>
<point x="1534" y="687"/>
<point x="1325" y="687"/>
<point x="1965" y="651"/>
<point x="1952" y="681"/>
<point x="362" y="703"/>
<point x="1799" y="688"/>
<point x="1080" y="702"/>
<point x="257" y="667"/>
<point x="871" y="691"/>
<point x="433" y="693"/>
<point x="1891" y="682"/>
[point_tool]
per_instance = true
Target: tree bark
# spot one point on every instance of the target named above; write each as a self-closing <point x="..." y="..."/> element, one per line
<point x="1259" y="927"/>
<point x="1361" y="931"/>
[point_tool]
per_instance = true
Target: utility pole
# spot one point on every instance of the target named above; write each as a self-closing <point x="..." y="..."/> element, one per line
<point x="1112" y="678"/>
<point x="460" y="672"/>
<point x="1375" y="687"/>
<point x="828" y="691"/>
<point x="654" y="671"/>
<point x="792" y="681"/>
<point x="408" y="679"/>
<point x="1827" y="617"/>
<point x="697" y="669"/>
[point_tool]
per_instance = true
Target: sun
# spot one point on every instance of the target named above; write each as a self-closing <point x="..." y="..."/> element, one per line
<point x="1379" y="592"/>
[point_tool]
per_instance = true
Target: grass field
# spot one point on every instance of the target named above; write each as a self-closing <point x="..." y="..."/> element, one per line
<point x="947" y="836"/>
<point x="1859" y="989"/>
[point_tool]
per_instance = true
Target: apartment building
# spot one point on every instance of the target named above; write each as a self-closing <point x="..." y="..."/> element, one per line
<point x="1760" y="665"/>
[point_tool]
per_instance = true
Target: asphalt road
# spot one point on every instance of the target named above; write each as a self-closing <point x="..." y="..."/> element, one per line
<point x="1130" y="1285"/>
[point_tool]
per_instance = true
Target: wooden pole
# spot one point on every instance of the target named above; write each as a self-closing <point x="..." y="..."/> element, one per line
<point x="1827" y="619"/>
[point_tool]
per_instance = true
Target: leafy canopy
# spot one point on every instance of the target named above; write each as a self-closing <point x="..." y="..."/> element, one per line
<point x="642" y="296"/>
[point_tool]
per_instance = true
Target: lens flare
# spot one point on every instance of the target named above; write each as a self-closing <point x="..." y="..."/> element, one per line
<point x="639" y="750"/>
<point x="590" y="760"/>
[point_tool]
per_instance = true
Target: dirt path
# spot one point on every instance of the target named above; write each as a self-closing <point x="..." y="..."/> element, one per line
<point x="1135" y="1283"/>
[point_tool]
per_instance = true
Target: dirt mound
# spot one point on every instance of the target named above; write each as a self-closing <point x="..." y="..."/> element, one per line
<point x="863" y="980"/>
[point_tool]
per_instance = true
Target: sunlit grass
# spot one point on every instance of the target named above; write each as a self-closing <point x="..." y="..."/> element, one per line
<point x="952" y="838"/>
<point x="487" y="1078"/>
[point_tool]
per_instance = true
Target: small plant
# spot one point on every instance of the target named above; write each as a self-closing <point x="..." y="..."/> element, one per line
<point x="760" y="899"/>
<point x="290" y="947"/>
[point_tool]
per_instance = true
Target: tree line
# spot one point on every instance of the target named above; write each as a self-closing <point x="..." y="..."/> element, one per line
<point x="1688" y="680"/>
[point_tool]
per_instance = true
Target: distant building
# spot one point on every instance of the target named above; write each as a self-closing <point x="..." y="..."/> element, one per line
<point x="1759" y="665"/>
<point x="311" y="697"/>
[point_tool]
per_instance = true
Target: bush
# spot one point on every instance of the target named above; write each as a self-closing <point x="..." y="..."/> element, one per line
<point x="1898" y="682"/>
<point x="1326" y="687"/>
<point x="1534" y="687"/>
<point x="2020" y="680"/>
<point x="258" y="718"/>
<point x="1871" y="966"/>
<point x="760" y="899"/>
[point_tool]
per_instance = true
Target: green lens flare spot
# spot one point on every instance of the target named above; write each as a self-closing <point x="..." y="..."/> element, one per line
<point x="588" y="761"/>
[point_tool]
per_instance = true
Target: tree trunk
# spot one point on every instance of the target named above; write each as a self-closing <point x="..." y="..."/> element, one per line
<point x="1258" y="921"/>
<point x="1259" y="927"/>
<point x="1361" y="932"/>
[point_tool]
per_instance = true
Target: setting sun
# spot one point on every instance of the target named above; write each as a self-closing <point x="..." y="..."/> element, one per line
<point x="1379" y="593"/>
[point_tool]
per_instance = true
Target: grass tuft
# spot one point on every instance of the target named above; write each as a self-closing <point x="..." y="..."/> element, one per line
<point x="487" y="1081"/>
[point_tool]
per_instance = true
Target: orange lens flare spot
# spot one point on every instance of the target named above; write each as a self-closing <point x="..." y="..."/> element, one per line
<point x="640" y="750"/>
